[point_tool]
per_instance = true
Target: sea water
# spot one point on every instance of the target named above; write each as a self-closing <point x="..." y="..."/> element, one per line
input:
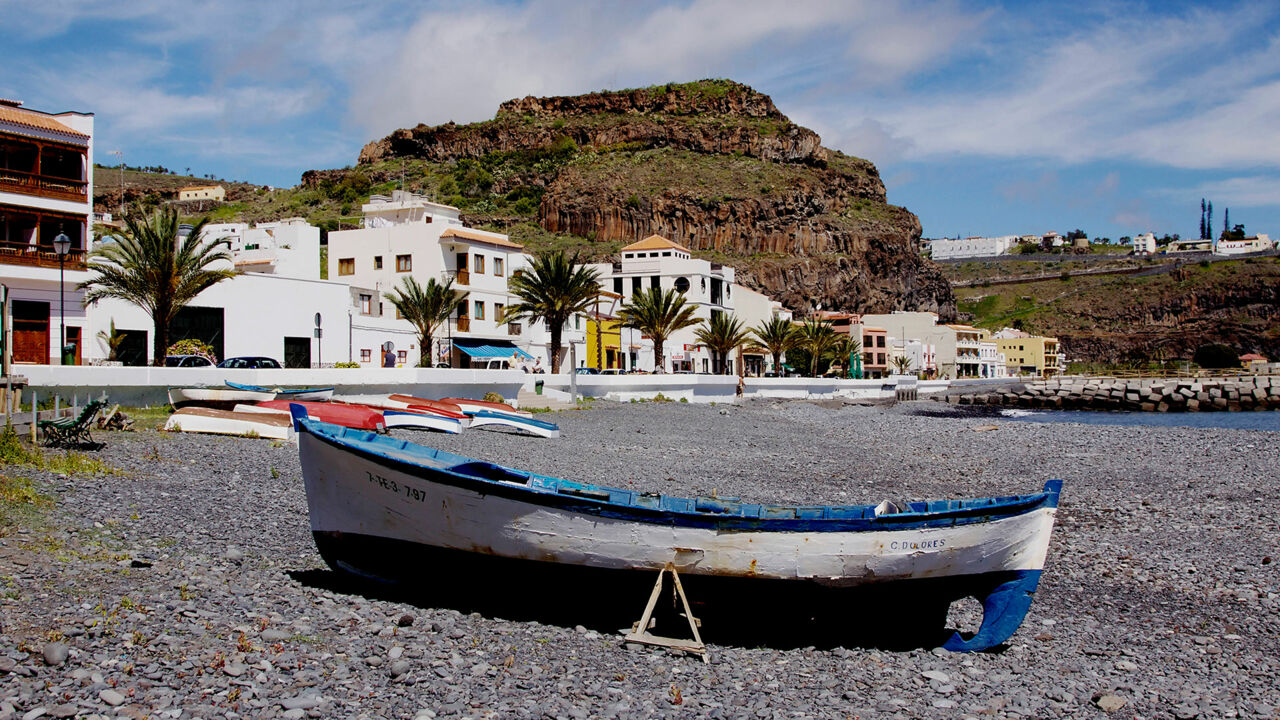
<point x="1268" y="420"/>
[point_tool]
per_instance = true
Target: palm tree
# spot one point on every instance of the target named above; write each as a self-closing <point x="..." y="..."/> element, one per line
<point x="777" y="336"/>
<point x="722" y="334"/>
<point x="554" y="288"/>
<point x="155" y="268"/>
<point x="901" y="364"/>
<point x="845" y="347"/>
<point x="425" y="308"/>
<point x="658" y="314"/>
<point x="817" y="337"/>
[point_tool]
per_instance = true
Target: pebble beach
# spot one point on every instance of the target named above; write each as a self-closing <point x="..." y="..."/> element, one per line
<point x="185" y="583"/>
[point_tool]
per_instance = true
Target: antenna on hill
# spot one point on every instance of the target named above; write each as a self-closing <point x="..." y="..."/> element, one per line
<point x="120" y="154"/>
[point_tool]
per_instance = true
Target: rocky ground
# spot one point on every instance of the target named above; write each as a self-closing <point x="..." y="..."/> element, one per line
<point x="187" y="584"/>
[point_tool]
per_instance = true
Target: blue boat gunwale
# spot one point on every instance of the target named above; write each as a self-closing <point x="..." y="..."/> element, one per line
<point x="278" y="391"/>
<point x="544" y="490"/>
<point x="533" y="422"/>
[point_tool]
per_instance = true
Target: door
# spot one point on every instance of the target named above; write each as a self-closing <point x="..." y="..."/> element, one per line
<point x="30" y="332"/>
<point x="133" y="348"/>
<point x="297" y="352"/>
<point x="73" y="338"/>
<point x="464" y="275"/>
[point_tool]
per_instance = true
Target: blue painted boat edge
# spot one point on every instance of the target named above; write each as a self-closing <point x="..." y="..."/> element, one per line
<point x="461" y="471"/>
<point x="259" y="388"/>
<point x="508" y="417"/>
<point x="1004" y="607"/>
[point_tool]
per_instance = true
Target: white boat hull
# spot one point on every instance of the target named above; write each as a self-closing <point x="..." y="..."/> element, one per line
<point x="222" y="422"/>
<point x="211" y="396"/>
<point x="350" y="495"/>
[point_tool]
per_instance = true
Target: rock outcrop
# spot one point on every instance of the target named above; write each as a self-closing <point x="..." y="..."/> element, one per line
<point x="713" y="165"/>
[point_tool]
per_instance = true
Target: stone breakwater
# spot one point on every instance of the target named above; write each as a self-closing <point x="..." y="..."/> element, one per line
<point x="1144" y="394"/>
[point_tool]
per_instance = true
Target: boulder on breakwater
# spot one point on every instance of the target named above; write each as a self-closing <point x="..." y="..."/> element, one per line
<point x="1251" y="392"/>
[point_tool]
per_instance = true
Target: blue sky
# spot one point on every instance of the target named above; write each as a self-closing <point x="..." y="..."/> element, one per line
<point x="984" y="118"/>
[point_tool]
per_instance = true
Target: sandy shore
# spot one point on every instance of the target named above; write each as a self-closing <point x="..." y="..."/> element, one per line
<point x="188" y="585"/>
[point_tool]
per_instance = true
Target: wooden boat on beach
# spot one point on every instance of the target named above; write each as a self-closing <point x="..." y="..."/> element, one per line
<point x="351" y="416"/>
<point x="389" y="509"/>
<point x="226" y="422"/>
<point x="469" y="406"/>
<point x="217" y="397"/>
<point x="422" y="421"/>
<point x="287" y="393"/>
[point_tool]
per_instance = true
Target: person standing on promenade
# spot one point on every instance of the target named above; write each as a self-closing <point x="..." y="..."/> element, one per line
<point x="388" y="356"/>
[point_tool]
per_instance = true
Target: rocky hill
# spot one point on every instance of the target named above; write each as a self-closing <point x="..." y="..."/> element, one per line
<point x="1163" y="313"/>
<point x="713" y="165"/>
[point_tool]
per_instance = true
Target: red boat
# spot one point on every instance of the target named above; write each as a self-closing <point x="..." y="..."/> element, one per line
<point x="479" y="405"/>
<point x="352" y="416"/>
<point x="439" y="407"/>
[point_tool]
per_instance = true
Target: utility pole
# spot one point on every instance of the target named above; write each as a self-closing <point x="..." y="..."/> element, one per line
<point x="120" y="154"/>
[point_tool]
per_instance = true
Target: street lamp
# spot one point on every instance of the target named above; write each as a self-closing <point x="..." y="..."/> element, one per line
<point x="62" y="246"/>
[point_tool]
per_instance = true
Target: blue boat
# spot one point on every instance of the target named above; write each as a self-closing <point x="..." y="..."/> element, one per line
<point x="388" y="509"/>
<point x="286" y="393"/>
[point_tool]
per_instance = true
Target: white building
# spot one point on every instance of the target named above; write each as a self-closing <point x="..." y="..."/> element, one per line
<point x="46" y="190"/>
<point x="1144" y="244"/>
<point x="922" y="357"/>
<point x="288" y="248"/>
<point x="991" y="362"/>
<point x="754" y="309"/>
<point x="972" y="247"/>
<point x="406" y="235"/>
<point x="656" y="262"/>
<point x="1259" y="243"/>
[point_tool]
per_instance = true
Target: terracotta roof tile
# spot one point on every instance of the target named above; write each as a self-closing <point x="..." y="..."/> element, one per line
<point x="475" y="236"/>
<point x="39" y="121"/>
<point x="656" y="242"/>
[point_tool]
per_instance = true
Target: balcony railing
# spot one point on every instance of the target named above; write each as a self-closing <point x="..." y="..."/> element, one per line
<point x="464" y="324"/>
<point x="513" y="328"/>
<point x="42" y="185"/>
<point x="459" y="277"/>
<point x="24" y="254"/>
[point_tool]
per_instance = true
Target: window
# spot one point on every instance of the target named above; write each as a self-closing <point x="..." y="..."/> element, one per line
<point x="655" y="282"/>
<point x="402" y="356"/>
<point x="399" y="316"/>
<point x="617" y="285"/>
<point x="635" y="285"/>
<point x="377" y="262"/>
<point x="346" y="266"/>
<point x="366" y="355"/>
<point x="366" y="303"/>
<point x="666" y="254"/>
<point x="479" y="310"/>
<point x="866" y="341"/>
<point x="682" y="285"/>
<point x="497" y="266"/>
<point x="577" y="322"/>
<point x="880" y="341"/>
<point x="404" y="263"/>
<point x="498" y="310"/>
<point x="477" y="264"/>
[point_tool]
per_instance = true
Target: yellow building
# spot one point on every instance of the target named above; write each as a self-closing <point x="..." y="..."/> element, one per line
<point x="604" y="343"/>
<point x="202" y="192"/>
<point x="1030" y="355"/>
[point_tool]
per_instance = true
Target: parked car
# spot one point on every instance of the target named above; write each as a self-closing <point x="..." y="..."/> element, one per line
<point x="187" y="361"/>
<point x="586" y="371"/>
<point x="611" y="371"/>
<point x="259" y="363"/>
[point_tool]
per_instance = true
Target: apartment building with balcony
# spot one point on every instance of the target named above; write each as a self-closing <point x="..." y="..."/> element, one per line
<point x="405" y="235"/>
<point x="656" y="262"/>
<point x="46" y="190"/>
<point x="1027" y="354"/>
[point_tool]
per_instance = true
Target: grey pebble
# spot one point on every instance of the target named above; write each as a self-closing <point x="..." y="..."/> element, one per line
<point x="55" y="654"/>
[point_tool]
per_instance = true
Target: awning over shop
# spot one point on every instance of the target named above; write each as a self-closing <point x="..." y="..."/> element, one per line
<point x="490" y="349"/>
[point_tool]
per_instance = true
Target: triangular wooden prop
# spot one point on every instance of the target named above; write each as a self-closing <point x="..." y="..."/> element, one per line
<point x="640" y="630"/>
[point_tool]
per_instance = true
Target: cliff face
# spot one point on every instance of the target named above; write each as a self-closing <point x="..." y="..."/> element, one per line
<point x="713" y="165"/>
